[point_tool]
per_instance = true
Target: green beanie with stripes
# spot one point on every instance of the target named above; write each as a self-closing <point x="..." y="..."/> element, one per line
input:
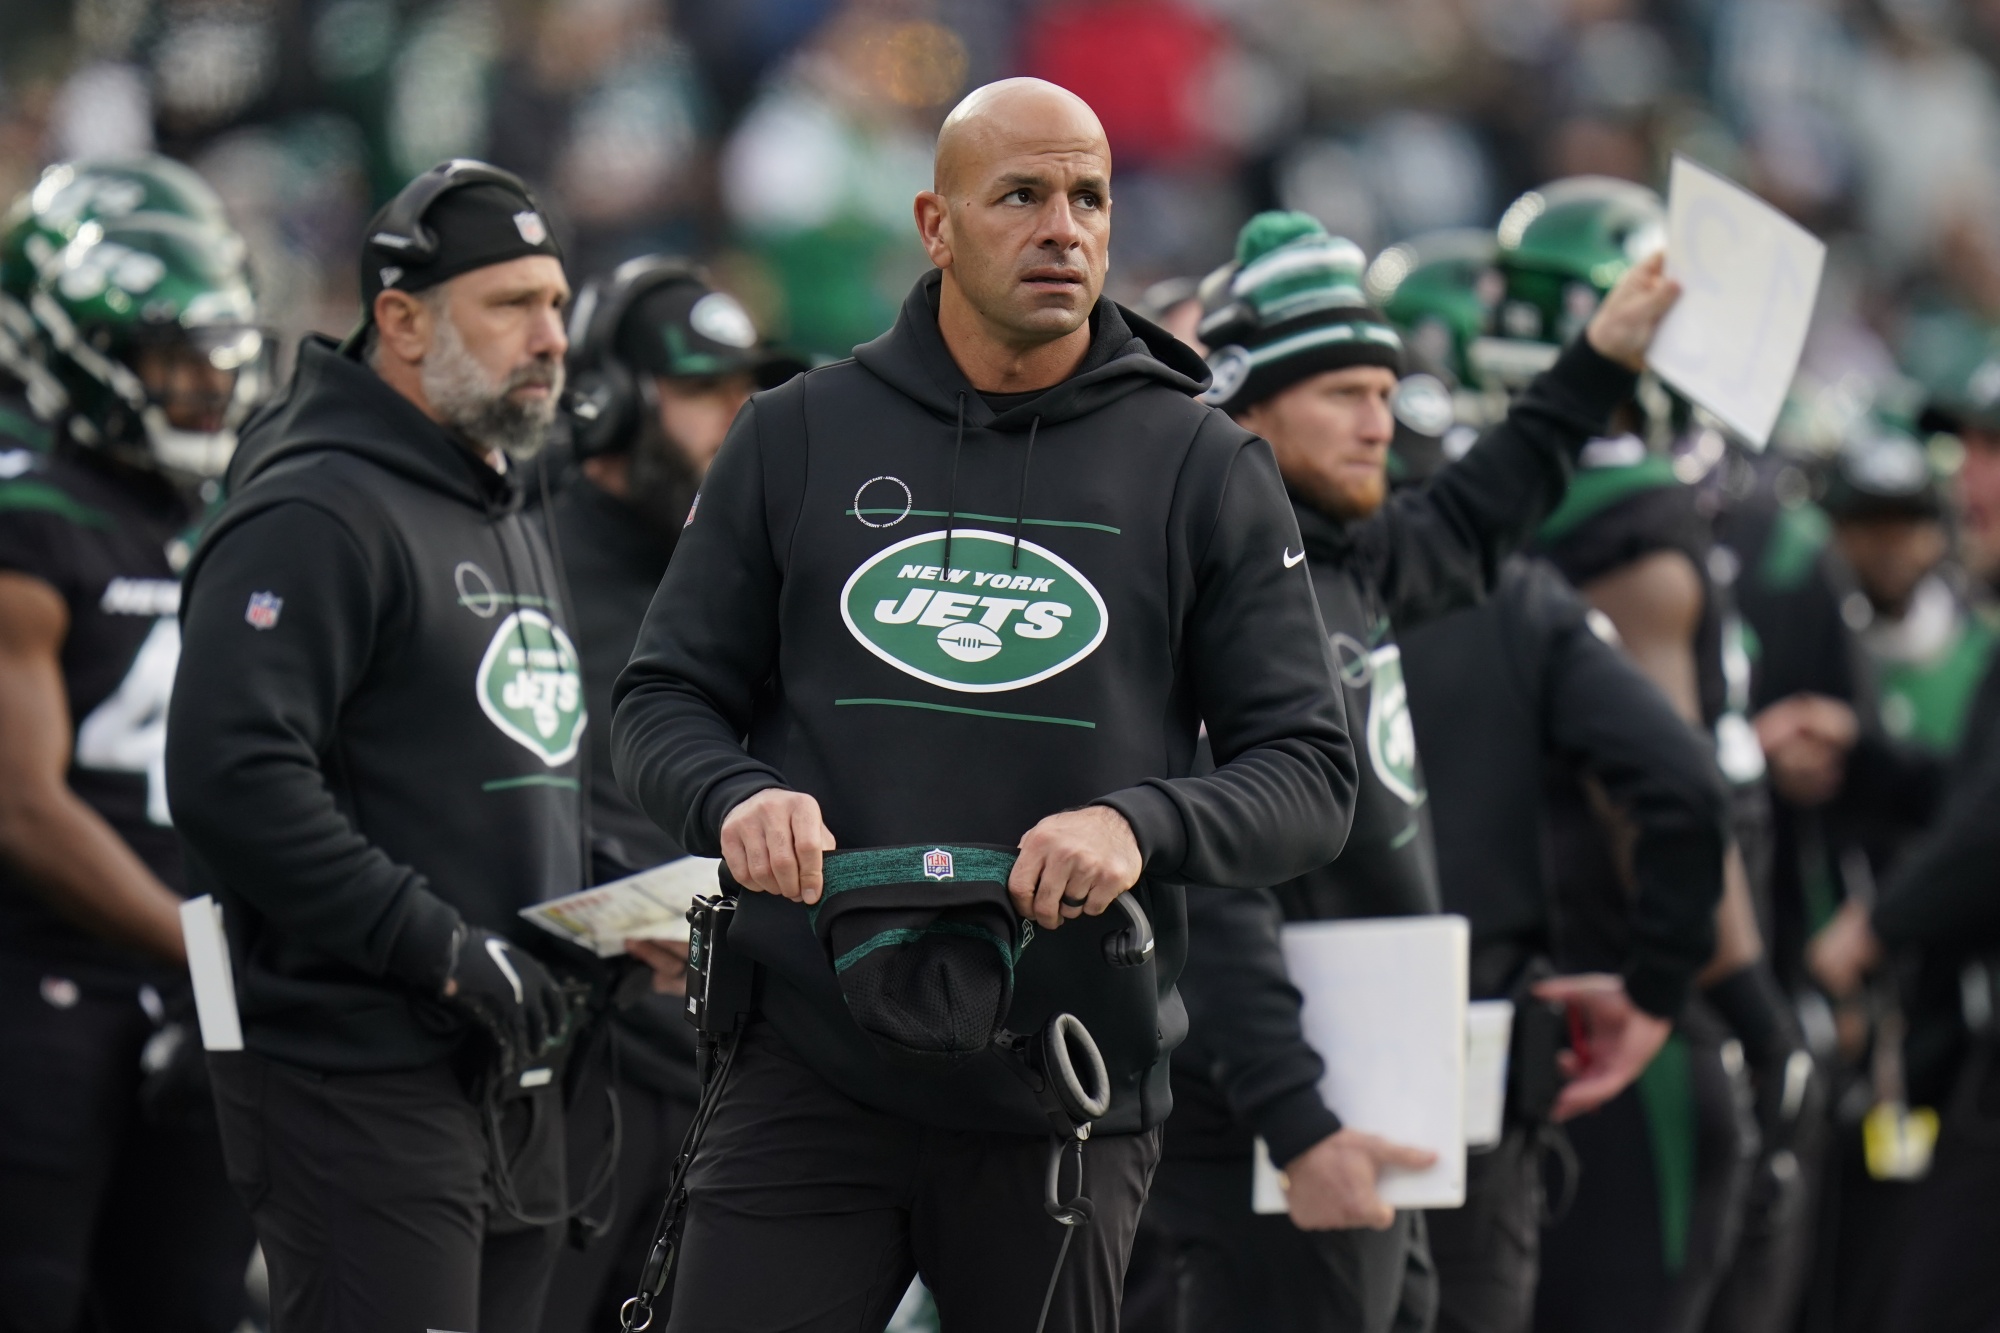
<point x="1292" y="308"/>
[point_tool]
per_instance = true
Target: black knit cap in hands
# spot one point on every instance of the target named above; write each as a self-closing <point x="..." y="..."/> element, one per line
<point x="473" y="225"/>
<point x="923" y="942"/>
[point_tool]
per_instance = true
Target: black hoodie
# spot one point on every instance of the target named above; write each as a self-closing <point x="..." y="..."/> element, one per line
<point x="1428" y="551"/>
<point x="808" y="609"/>
<point x="375" y="727"/>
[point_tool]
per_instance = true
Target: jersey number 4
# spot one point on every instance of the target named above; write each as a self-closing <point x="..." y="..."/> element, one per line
<point x="127" y="733"/>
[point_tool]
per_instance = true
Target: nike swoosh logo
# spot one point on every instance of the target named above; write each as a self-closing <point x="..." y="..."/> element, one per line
<point x="1292" y="561"/>
<point x="497" y="950"/>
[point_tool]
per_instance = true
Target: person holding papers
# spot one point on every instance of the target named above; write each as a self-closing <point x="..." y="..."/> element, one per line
<point x="373" y="758"/>
<point x="1299" y="357"/>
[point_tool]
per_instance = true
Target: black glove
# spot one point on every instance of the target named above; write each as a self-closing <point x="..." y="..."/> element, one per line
<point x="508" y="994"/>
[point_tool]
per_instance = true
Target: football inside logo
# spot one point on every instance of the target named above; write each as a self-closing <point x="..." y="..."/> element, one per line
<point x="969" y="643"/>
<point x="994" y="616"/>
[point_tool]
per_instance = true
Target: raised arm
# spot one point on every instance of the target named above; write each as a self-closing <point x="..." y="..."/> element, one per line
<point x="1441" y="546"/>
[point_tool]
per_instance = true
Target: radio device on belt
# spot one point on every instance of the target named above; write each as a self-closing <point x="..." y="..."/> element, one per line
<point x="720" y="1000"/>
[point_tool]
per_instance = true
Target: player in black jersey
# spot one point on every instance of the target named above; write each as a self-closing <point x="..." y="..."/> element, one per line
<point x="659" y="365"/>
<point x="114" y="1208"/>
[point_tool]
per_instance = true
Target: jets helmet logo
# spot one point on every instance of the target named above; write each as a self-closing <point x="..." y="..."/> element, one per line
<point x="986" y="624"/>
<point x="1392" y="739"/>
<point x="530" y="687"/>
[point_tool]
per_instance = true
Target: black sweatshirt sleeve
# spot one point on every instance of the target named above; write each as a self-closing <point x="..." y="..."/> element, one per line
<point x="1282" y="796"/>
<point x="1440" y="546"/>
<point x="1603" y="713"/>
<point x="683" y="705"/>
<point x="1243" y="1012"/>
<point x="253" y="712"/>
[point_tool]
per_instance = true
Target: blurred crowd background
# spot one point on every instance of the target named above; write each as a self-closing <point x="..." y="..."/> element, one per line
<point x="782" y="140"/>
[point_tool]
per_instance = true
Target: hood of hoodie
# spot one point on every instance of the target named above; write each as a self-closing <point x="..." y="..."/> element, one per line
<point x="1126" y="352"/>
<point x="337" y="403"/>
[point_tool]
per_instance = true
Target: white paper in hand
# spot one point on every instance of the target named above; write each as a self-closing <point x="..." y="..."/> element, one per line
<point x="1749" y="276"/>
<point x="1385" y="1008"/>
<point x="651" y="905"/>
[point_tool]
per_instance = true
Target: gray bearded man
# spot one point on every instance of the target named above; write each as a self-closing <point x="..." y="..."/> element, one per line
<point x="374" y="760"/>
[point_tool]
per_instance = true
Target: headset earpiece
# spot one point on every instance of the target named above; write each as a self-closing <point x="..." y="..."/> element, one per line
<point x="607" y="401"/>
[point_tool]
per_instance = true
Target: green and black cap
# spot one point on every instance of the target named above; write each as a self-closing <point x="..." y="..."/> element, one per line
<point x="687" y="329"/>
<point x="923" y="940"/>
<point x="1293" y="307"/>
<point x="1881" y="471"/>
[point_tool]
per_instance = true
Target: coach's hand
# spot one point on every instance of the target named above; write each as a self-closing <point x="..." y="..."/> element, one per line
<point x="773" y="842"/>
<point x="1074" y="864"/>
<point x="1624" y="325"/>
<point x="1331" y="1186"/>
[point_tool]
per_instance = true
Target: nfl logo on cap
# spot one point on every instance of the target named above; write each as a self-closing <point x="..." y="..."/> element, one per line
<point x="937" y="864"/>
<point x="533" y="230"/>
<point x="262" y="613"/>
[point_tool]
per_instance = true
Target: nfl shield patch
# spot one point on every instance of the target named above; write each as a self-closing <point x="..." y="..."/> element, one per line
<point x="937" y="864"/>
<point x="533" y="230"/>
<point x="262" y="613"/>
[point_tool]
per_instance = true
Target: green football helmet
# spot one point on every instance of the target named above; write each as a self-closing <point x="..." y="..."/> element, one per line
<point x="1561" y="248"/>
<point x="1440" y="289"/>
<point x="151" y="328"/>
<point x="45" y="219"/>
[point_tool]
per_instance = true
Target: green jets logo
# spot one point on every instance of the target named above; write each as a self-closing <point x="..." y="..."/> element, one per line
<point x="530" y="686"/>
<point x="990" y="624"/>
<point x="1392" y="740"/>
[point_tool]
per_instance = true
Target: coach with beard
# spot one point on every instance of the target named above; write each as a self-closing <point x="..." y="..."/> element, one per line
<point x="373" y="759"/>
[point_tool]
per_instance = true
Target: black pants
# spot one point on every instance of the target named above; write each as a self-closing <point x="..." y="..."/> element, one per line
<point x="1239" y="1271"/>
<point x="810" y="1212"/>
<point x="1950" y="1278"/>
<point x="1489" y="1252"/>
<point x="1658" y="1207"/>
<point x="108" y="1214"/>
<point x="375" y="1204"/>
<point x="590" y="1284"/>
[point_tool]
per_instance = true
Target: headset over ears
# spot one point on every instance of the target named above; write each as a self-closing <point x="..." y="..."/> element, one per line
<point x="403" y="238"/>
<point x="606" y="401"/>
<point x="402" y="241"/>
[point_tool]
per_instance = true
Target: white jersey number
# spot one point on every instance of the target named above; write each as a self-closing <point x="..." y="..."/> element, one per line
<point x="127" y="733"/>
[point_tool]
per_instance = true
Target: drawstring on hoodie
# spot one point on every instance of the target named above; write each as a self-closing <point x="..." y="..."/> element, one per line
<point x="1021" y="504"/>
<point x="951" y="495"/>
